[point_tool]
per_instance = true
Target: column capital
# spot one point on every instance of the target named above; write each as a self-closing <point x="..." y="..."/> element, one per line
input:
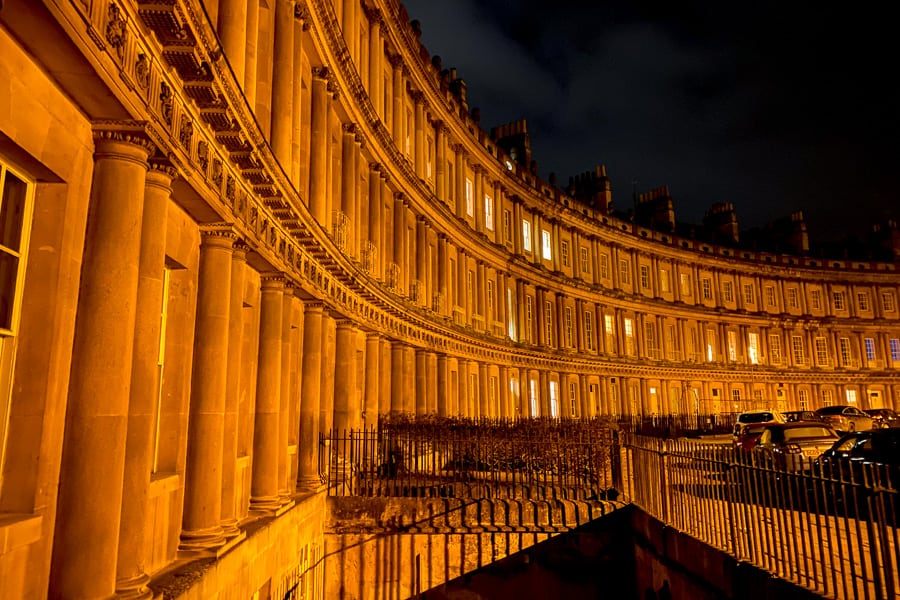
<point x="395" y="60"/>
<point x="374" y="15"/>
<point x="349" y="128"/>
<point x="125" y="131"/>
<point x="301" y="14"/>
<point x="221" y="234"/>
<point x="272" y="280"/>
<point x="375" y="167"/>
<point x="321" y="73"/>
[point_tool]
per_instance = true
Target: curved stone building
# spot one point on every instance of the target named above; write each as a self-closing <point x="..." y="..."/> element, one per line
<point x="230" y="225"/>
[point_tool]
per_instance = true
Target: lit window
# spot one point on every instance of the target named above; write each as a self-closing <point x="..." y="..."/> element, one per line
<point x="570" y="329"/>
<point x="664" y="281"/>
<point x="589" y="330"/>
<point x="609" y="333"/>
<point x="546" y="249"/>
<point x="470" y="197"/>
<point x="532" y="397"/>
<point x="685" y="282"/>
<point x="16" y="206"/>
<point x="629" y="337"/>
<point x="573" y="396"/>
<point x="526" y="235"/>
<point x="895" y="349"/>
<point x="554" y="400"/>
<point x="650" y="338"/>
<point x="775" y="349"/>
<point x="753" y="348"/>
<point x="851" y="397"/>
<point x="529" y="319"/>
<point x="507" y="225"/>
<point x="548" y="322"/>
<point x="732" y="346"/>
<point x="511" y="313"/>
<point x="870" y="348"/>
<point x="711" y="345"/>
<point x="488" y="213"/>
<point x="429" y="157"/>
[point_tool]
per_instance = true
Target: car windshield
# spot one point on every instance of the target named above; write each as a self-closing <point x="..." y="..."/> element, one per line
<point x="797" y="433"/>
<point x="831" y="410"/>
<point x="759" y="417"/>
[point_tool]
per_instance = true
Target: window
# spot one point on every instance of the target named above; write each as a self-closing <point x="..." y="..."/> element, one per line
<point x="470" y="198"/>
<point x="573" y="399"/>
<point x="685" y="281"/>
<point x="511" y="313"/>
<point x="489" y="311"/>
<point x="827" y="397"/>
<point x="428" y="158"/>
<point x="862" y="299"/>
<point x="629" y="337"/>
<point x="546" y="247"/>
<point x="710" y="345"/>
<point x="470" y="291"/>
<point x="895" y="349"/>
<point x="564" y="252"/>
<point x="488" y="213"/>
<point x="673" y="343"/>
<point x="645" y="276"/>
<point x="803" y="396"/>
<point x="604" y="266"/>
<point x="851" y="397"/>
<point x="870" y="348"/>
<point x="888" y="302"/>
<point x="748" y="293"/>
<point x="526" y="235"/>
<point x="732" y="346"/>
<point x="797" y="349"/>
<point x="753" y="348"/>
<point x="664" y="281"/>
<point x="793" y="297"/>
<point x="548" y="322"/>
<point x="821" y="352"/>
<point x="585" y="260"/>
<point x="160" y="368"/>
<point x="728" y="292"/>
<point x="624" y="272"/>
<point x="706" y="287"/>
<point x="694" y="345"/>
<point x="492" y="395"/>
<point x="16" y="206"/>
<point x="815" y="299"/>
<point x="775" y="349"/>
<point x="650" y="338"/>
<point x="570" y="328"/>
<point x="844" y="349"/>
<point x="529" y="319"/>
<point x="609" y="333"/>
<point x="507" y="225"/>
<point x="838" y="299"/>
<point x="770" y="295"/>
<point x="589" y="330"/>
<point x="736" y="395"/>
<point x="554" y="399"/>
<point x="532" y="397"/>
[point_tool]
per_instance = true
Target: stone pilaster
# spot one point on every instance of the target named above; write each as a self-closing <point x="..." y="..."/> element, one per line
<point x="372" y="388"/>
<point x="318" y="155"/>
<point x="311" y="389"/>
<point x="346" y="399"/>
<point x="232" y="29"/>
<point x="285" y="485"/>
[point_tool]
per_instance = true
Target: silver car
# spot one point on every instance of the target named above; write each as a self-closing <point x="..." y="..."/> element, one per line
<point x="845" y="418"/>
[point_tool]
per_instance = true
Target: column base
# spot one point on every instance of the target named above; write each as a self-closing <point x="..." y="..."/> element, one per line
<point x="134" y="588"/>
<point x="309" y="484"/>
<point x="265" y="505"/>
<point x="230" y="528"/>
<point x="202" y="540"/>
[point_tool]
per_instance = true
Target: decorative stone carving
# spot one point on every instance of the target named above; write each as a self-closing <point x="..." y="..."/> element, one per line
<point x="186" y="133"/>
<point x="165" y="102"/>
<point x="116" y="30"/>
<point x="203" y="155"/>
<point x="142" y="71"/>
<point x="217" y="172"/>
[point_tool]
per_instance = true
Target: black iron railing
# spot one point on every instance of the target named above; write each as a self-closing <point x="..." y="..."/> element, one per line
<point x="474" y="458"/>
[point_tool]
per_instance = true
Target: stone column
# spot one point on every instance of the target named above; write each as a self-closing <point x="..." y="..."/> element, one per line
<point x="484" y="398"/>
<point x="462" y="391"/>
<point x="462" y="288"/>
<point x="431" y="383"/>
<point x="419" y="141"/>
<point x="506" y="411"/>
<point x="200" y="528"/>
<point x="285" y="486"/>
<point x="443" y="402"/>
<point x="264" y="487"/>
<point x="328" y="343"/>
<point x="373" y="366"/>
<point x="421" y="260"/>
<point x="409" y="379"/>
<point x="232" y="28"/>
<point x="311" y="386"/>
<point x="442" y="273"/>
<point x="440" y="170"/>
<point x="376" y="211"/>
<point x="251" y="48"/>
<point x="398" y="96"/>
<point x="376" y="55"/>
<point x="296" y="171"/>
<point x="346" y="400"/>
<point x="397" y="383"/>
<point x="283" y="83"/>
<point x="349" y="28"/>
<point x="89" y="506"/>
<point x="318" y="152"/>
<point x="400" y="247"/>
<point x="420" y="388"/>
<point x="130" y="576"/>
<point x="348" y="185"/>
<point x="229" y="509"/>
<point x="586" y="410"/>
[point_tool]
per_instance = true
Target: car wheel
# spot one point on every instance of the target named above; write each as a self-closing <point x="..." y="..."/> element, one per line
<point x="851" y="427"/>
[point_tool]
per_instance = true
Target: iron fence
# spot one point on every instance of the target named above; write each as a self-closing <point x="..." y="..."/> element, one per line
<point x="678" y="425"/>
<point x="474" y="458"/>
<point x="832" y="529"/>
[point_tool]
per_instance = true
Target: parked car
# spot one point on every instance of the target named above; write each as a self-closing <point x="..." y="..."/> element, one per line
<point x="845" y="418"/>
<point x="748" y="436"/>
<point x="884" y="417"/>
<point x="755" y="416"/>
<point x="873" y="446"/>
<point x="792" y="446"/>
<point x="791" y="416"/>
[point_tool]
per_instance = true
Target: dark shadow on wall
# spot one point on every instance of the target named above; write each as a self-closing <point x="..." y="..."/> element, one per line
<point x="595" y="560"/>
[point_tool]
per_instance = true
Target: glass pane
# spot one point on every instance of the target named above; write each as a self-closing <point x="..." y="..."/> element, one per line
<point x="12" y="210"/>
<point x="9" y="265"/>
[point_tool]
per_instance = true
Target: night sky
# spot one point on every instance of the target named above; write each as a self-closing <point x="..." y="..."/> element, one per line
<point x="773" y="106"/>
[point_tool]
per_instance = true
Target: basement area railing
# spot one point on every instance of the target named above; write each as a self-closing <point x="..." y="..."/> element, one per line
<point x="474" y="458"/>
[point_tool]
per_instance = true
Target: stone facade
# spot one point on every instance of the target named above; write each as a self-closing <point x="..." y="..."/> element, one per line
<point x="230" y="226"/>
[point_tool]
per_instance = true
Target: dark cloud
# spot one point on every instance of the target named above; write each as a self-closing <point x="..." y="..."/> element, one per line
<point x="775" y="107"/>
